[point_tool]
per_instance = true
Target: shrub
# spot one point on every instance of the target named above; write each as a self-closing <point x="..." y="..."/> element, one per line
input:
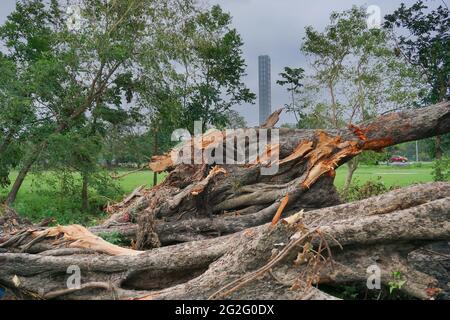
<point x="372" y="157"/>
<point x="369" y="189"/>
<point x="114" y="238"/>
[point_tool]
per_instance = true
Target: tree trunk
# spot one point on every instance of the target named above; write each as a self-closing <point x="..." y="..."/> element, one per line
<point x="155" y="152"/>
<point x="108" y="164"/>
<point x="207" y="233"/>
<point x="307" y="157"/>
<point x="12" y="195"/>
<point x="352" y="166"/>
<point x="437" y="148"/>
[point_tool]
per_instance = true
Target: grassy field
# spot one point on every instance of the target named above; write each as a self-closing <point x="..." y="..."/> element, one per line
<point x="127" y="183"/>
<point x="136" y="179"/>
<point x="390" y="175"/>
<point x="36" y="204"/>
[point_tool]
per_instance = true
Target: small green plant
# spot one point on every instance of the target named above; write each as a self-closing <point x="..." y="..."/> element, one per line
<point x="441" y="169"/>
<point x="113" y="237"/>
<point x="397" y="281"/>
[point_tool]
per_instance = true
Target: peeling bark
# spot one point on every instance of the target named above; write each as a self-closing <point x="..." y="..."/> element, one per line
<point x="226" y="231"/>
<point x="307" y="163"/>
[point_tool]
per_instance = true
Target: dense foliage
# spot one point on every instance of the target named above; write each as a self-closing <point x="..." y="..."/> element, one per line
<point x="92" y="84"/>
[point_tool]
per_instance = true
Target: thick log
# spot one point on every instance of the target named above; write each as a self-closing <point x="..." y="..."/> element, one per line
<point x="212" y="223"/>
<point x="307" y="160"/>
<point x="258" y="263"/>
<point x="197" y="229"/>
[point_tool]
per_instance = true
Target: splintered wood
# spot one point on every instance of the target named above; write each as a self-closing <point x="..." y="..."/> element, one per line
<point x="326" y="156"/>
<point x="270" y="154"/>
<point x="374" y="144"/>
<point x="302" y="148"/>
<point x="199" y="187"/>
<point x="283" y="204"/>
<point x="187" y="149"/>
<point x="209" y="140"/>
<point x="76" y="236"/>
<point x="161" y="163"/>
<point x="272" y="119"/>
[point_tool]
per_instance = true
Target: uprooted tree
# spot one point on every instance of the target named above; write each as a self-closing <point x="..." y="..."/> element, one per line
<point x="205" y="233"/>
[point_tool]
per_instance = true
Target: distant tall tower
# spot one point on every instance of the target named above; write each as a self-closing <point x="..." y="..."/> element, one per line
<point x="265" y="97"/>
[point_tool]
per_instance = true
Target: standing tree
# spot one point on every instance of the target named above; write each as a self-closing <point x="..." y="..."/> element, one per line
<point x="292" y="78"/>
<point x="358" y="72"/>
<point x="74" y="158"/>
<point x="422" y="36"/>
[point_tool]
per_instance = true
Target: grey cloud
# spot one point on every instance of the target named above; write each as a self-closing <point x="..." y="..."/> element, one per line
<point x="273" y="27"/>
<point x="276" y="28"/>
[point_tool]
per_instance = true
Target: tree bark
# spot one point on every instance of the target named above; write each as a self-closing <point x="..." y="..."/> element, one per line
<point x="207" y="233"/>
<point x="155" y="152"/>
<point x="198" y="229"/>
<point x="12" y="195"/>
<point x="395" y="231"/>
<point x="307" y="157"/>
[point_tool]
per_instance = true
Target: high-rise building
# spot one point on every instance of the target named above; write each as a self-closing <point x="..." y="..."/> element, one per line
<point x="265" y="98"/>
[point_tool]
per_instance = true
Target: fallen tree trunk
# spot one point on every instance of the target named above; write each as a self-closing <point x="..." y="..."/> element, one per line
<point x="306" y="161"/>
<point x="211" y="220"/>
<point x="282" y="261"/>
<point x="196" y="229"/>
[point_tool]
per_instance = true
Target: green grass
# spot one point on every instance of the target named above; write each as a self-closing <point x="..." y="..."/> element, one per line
<point x="390" y="175"/>
<point x="136" y="179"/>
<point x="33" y="202"/>
<point x="127" y="183"/>
<point x="36" y="201"/>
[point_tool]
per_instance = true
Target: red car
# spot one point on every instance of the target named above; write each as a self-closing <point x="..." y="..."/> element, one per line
<point x="398" y="159"/>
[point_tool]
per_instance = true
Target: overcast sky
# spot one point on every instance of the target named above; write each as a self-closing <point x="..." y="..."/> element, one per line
<point x="273" y="27"/>
<point x="276" y="28"/>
